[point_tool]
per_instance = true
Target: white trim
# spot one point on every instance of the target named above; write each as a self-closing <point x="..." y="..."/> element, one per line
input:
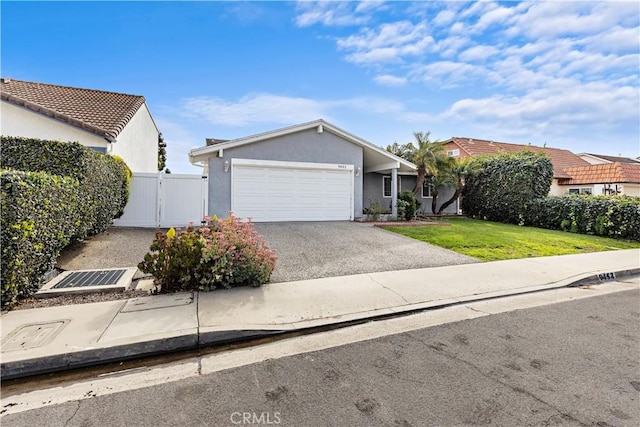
<point x="293" y="165"/>
<point x="382" y="167"/>
<point x="208" y="150"/>
<point x="422" y="190"/>
<point x="399" y="186"/>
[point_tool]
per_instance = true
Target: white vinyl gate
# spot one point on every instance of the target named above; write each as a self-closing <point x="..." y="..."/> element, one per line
<point x="165" y="200"/>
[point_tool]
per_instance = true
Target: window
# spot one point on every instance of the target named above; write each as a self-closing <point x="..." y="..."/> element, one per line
<point x="386" y="186"/>
<point x="453" y="153"/>
<point x="584" y="190"/>
<point x="427" y="188"/>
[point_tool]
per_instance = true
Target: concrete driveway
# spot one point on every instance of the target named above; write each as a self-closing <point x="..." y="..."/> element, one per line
<point x="310" y="250"/>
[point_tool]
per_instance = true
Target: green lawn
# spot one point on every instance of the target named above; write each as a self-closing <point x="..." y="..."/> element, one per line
<point x="492" y="241"/>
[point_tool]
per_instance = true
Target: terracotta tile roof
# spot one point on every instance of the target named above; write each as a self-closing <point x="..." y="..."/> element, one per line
<point x="100" y="112"/>
<point x="561" y="159"/>
<point x="614" y="159"/>
<point x="606" y="173"/>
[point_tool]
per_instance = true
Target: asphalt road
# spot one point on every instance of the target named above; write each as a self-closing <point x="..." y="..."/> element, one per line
<point x="571" y="363"/>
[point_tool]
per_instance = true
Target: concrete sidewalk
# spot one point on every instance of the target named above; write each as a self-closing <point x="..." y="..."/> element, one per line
<point x="56" y="338"/>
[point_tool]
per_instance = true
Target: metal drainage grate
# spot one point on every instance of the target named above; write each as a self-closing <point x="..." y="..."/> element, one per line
<point x="80" y="279"/>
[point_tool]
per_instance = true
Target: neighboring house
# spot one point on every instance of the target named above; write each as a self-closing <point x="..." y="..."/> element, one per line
<point x="108" y="122"/>
<point x="599" y="159"/>
<point x="313" y="171"/>
<point x="562" y="160"/>
<point x="605" y="178"/>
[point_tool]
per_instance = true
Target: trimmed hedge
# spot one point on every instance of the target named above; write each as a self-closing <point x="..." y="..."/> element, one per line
<point x="505" y="185"/>
<point x="53" y="193"/>
<point x="103" y="179"/>
<point x="40" y="214"/>
<point x="610" y="216"/>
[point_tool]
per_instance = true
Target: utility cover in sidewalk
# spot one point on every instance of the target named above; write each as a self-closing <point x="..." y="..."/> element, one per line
<point x="33" y="335"/>
<point x="87" y="281"/>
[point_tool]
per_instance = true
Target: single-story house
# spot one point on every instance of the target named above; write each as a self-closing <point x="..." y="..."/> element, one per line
<point x="605" y="178"/>
<point x="599" y="159"/>
<point x="109" y="122"/>
<point x="312" y="171"/>
<point x="561" y="159"/>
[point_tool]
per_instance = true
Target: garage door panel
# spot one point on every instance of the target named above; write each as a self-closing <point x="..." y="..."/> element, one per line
<point x="274" y="193"/>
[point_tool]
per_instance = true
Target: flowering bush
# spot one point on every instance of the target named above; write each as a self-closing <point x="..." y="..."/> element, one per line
<point x="222" y="254"/>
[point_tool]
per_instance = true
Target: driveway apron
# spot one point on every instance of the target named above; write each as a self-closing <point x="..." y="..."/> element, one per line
<point x="311" y="250"/>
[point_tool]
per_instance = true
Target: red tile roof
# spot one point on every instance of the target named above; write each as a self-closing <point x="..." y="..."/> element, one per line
<point x="607" y="173"/>
<point x="100" y="112"/>
<point x="561" y="159"/>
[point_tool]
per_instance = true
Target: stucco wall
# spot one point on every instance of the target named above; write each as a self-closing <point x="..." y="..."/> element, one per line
<point x="19" y="121"/>
<point x="306" y="146"/>
<point x="137" y="144"/>
<point x="372" y="189"/>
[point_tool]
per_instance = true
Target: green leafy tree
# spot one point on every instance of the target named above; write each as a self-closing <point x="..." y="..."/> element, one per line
<point x="162" y="152"/>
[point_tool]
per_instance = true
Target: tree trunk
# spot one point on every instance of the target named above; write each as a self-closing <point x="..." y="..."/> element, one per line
<point x="434" y="200"/>
<point x="419" y="180"/>
<point x="453" y="198"/>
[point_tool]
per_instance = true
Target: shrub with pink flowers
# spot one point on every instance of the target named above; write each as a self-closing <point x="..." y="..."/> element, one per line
<point x="222" y="254"/>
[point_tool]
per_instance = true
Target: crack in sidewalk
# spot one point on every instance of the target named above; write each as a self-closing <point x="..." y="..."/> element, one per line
<point x="388" y="288"/>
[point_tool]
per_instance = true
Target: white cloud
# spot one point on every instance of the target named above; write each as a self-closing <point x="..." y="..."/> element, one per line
<point x="335" y="13"/>
<point x="389" y="80"/>
<point x="615" y="40"/>
<point x="389" y="42"/>
<point x="444" y="17"/>
<point x="552" y="19"/>
<point x="277" y="109"/>
<point x="478" y="53"/>
<point x="556" y="110"/>
<point x="251" y="109"/>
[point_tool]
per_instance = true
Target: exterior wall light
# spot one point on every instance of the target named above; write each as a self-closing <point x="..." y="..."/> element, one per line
<point x="358" y="171"/>
<point x="226" y="165"/>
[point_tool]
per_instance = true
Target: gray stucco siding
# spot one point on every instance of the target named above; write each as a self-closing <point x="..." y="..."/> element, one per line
<point x="372" y="189"/>
<point x="306" y="146"/>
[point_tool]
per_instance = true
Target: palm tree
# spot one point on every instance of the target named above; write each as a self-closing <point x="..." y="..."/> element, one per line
<point x="427" y="155"/>
<point x="458" y="172"/>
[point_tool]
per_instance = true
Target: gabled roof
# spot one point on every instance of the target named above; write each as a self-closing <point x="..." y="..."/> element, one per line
<point x="613" y="159"/>
<point x="100" y="112"/>
<point x="606" y="173"/>
<point x="561" y="159"/>
<point x="372" y="152"/>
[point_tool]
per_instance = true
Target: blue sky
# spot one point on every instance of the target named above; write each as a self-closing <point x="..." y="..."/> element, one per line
<point x="562" y="73"/>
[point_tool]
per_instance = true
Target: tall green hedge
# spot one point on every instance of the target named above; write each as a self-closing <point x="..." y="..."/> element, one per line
<point x="504" y="186"/>
<point x="103" y="179"/>
<point x="610" y="216"/>
<point x="40" y="214"/>
<point x="52" y="193"/>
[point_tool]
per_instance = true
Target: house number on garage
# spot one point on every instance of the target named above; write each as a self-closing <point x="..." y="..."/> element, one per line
<point x="342" y="166"/>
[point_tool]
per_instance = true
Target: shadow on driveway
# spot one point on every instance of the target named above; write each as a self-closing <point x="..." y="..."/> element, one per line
<point x="311" y="250"/>
<point x="118" y="247"/>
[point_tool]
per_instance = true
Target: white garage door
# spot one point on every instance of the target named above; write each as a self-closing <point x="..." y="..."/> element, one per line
<point x="286" y="191"/>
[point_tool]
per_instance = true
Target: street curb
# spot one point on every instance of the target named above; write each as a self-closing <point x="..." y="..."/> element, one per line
<point x="96" y="356"/>
<point x="598" y="278"/>
<point x="199" y="340"/>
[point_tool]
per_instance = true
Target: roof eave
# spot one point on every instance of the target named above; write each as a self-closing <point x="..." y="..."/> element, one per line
<point x="57" y="115"/>
<point x="212" y="149"/>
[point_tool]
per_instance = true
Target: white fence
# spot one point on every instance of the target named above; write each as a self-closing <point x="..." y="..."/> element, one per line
<point x="165" y="200"/>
